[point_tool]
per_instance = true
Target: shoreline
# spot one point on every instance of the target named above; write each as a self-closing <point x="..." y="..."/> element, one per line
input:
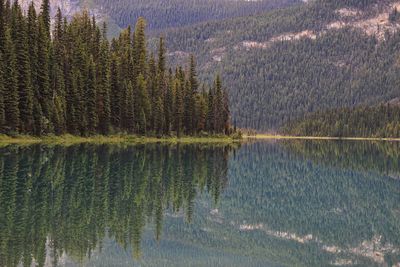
<point x="132" y="139"/>
<point x="112" y="139"/>
<point x="327" y="138"/>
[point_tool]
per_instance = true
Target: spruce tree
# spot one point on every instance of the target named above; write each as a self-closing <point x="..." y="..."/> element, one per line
<point x="57" y="74"/>
<point x="103" y="96"/>
<point x="116" y="94"/>
<point x="73" y="103"/>
<point x="190" y="98"/>
<point x="45" y="16"/>
<point x="153" y="92"/>
<point x="226" y="113"/>
<point x="140" y="48"/>
<point x="201" y="113"/>
<point x="91" y="97"/>
<point x="141" y="106"/>
<point x="2" y="25"/>
<point x="10" y="96"/>
<point x="218" y="106"/>
<point x="19" y="34"/>
<point x="210" y="111"/>
<point x="7" y="13"/>
<point x="168" y="106"/>
<point x="179" y="108"/>
<point x="33" y="37"/>
<point x="129" y="108"/>
<point x="2" y="110"/>
<point x="43" y="78"/>
<point x="188" y="108"/>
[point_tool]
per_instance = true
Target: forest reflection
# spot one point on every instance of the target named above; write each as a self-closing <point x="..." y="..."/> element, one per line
<point x="58" y="200"/>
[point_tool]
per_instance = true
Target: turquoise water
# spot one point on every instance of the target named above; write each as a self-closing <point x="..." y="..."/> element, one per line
<point x="283" y="203"/>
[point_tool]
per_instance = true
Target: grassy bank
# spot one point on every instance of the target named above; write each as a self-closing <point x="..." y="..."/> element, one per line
<point x="112" y="139"/>
<point x="132" y="139"/>
<point x="286" y="137"/>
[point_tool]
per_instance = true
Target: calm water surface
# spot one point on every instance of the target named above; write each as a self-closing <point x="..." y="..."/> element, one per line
<point x="286" y="203"/>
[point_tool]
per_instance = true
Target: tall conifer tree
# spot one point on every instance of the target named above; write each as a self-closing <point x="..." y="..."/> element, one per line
<point x="43" y="77"/>
<point x="2" y="25"/>
<point x="45" y="16"/>
<point x="91" y="97"/>
<point x="19" y="34"/>
<point x="10" y="96"/>
<point x="2" y="110"/>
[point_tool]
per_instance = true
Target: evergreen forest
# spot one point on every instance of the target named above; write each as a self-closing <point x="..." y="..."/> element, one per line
<point x="68" y="78"/>
<point x="164" y="14"/>
<point x="381" y="121"/>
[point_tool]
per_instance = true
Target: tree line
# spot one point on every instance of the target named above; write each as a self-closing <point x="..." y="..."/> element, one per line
<point x="70" y="79"/>
<point x="376" y="121"/>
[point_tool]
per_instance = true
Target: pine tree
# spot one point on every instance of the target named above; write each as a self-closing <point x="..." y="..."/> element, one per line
<point x="210" y="111"/>
<point x="2" y="25"/>
<point x="140" y="57"/>
<point x="2" y="115"/>
<point x="169" y="107"/>
<point x="91" y="97"/>
<point x="73" y="103"/>
<point x="201" y="113"/>
<point x="7" y="13"/>
<point x="153" y="93"/>
<point x="226" y="113"/>
<point x="161" y="56"/>
<point x="179" y="107"/>
<point x="33" y="37"/>
<point x="129" y="108"/>
<point x="190" y="98"/>
<point x="57" y="67"/>
<point x="43" y="78"/>
<point x="218" y="106"/>
<point x="103" y="96"/>
<point x="116" y="94"/>
<point x="19" y="34"/>
<point x="189" y="108"/>
<point x="141" y="106"/>
<point x="158" y="116"/>
<point x="10" y="96"/>
<point x="45" y="16"/>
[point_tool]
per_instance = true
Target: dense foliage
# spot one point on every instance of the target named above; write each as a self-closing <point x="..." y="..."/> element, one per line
<point x="77" y="82"/>
<point x="163" y="14"/>
<point x="272" y="82"/>
<point x="67" y="200"/>
<point x="378" y="121"/>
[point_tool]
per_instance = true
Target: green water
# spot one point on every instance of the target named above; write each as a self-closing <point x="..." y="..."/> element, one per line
<point x="283" y="203"/>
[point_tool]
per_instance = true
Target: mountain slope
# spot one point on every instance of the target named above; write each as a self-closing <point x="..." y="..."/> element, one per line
<point x="161" y="14"/>
<point x="288" y="62"/>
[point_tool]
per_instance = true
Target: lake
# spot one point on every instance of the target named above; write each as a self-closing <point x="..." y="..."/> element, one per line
<point x="262" y="203"/>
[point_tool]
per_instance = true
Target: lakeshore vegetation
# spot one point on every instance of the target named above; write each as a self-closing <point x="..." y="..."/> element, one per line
<point x="70" y="79"/>
<point x="382" y="121"/>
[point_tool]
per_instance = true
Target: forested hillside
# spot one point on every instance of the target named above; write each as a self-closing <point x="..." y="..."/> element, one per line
<point x="289" y="62"/>
<point x="163" y="14"/>
<point x="74" y="81"/>
<point x="378" y="121"/>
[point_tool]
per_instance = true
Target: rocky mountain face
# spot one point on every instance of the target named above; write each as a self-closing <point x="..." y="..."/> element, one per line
<point x="68" y="7"/>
